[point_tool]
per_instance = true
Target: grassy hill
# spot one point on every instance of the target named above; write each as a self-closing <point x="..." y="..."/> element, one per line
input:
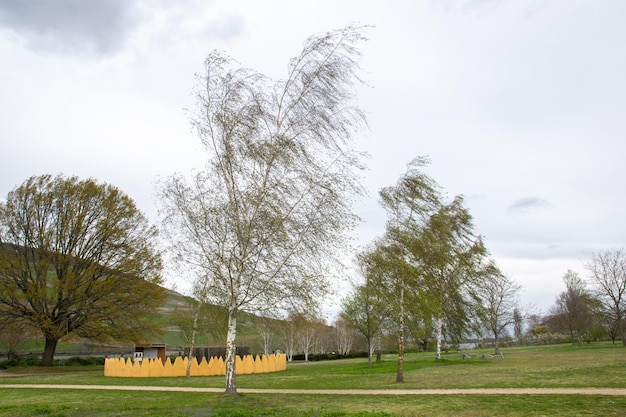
<point x="175" y="303"/>
<point x="209" y="335"/>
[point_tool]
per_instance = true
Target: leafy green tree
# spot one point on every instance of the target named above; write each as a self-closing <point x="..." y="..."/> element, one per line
<point x="408" y="204"/>
<point x="449" y="258"/>
<point x="428" y="258"/>
<point x="366" y="308"/>
<point x="393" y="280"/>
<point x="264" y="223"/>
<point x="77" y="258"/>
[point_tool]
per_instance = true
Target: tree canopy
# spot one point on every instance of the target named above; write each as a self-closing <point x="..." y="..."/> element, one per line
<point x="77" y="258"/>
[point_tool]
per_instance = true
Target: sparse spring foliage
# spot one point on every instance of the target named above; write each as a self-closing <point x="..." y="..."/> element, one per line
<point x="264" y="222"/>
<point x="77" y="258"/>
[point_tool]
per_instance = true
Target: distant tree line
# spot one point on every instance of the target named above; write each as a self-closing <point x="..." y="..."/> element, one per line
<point x="593" y="308"/>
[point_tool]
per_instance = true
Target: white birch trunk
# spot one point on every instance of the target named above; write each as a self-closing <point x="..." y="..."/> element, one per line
<point x="400" y="369"/>
<point x="267" y="341"/>
<point x="439" y="338"/>
<point x="231" y="351"/>
<point x="193" y="340"/>
<point x="370" y="351"/>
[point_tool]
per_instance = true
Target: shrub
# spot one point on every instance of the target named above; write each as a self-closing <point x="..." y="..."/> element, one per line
<point x="19" y="361"/>
<point x="330" y="356"/>
<point x="84" y="361"/>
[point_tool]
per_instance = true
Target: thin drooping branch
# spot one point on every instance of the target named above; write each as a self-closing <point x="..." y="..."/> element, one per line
<point x="266" y="219"/>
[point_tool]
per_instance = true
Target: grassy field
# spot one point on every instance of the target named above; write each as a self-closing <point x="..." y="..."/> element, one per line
<point x="560" y="366"/>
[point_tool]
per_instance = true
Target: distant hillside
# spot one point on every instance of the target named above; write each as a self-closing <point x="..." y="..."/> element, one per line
<point x="175" y="302"/>
<point x="247" y="331"/>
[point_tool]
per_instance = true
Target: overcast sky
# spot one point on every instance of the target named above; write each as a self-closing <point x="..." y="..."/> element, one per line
<point x="521" y="105"/>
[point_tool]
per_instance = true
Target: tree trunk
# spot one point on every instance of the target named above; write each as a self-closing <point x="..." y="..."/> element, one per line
<point x="48" y="353"/>
<point x="231" y="351"/>
<point x="496" y="344"/>
<point x="439" y="338"/>
<point x="400" y="370"/>
<point x="193" y="340"/>
<point x="370" y="351"/>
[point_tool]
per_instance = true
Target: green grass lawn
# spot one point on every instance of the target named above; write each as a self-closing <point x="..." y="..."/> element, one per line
<point x="559" y="366"/>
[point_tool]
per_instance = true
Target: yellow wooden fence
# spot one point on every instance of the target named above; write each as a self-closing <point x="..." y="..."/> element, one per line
<point x="148" y="368"/>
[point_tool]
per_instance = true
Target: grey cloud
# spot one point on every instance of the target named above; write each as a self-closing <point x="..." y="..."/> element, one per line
<point x="70" y="26"/>
<point x="526" y="204"/>
<point x="226" y="27"/>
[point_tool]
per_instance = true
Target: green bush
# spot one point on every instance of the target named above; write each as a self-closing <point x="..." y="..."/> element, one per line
<point x="84" y="361"/>
<point x="330" y="356"/>
<point x="35" y="360"/>
<point x="18" y="361"/>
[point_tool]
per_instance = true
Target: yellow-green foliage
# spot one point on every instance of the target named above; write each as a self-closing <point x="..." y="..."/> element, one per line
<point x="147" y="368"/>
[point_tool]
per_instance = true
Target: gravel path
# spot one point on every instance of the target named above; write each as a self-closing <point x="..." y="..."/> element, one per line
<point x="472" y="391"/>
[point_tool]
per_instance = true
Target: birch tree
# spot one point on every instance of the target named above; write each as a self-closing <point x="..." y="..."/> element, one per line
<point x="344" y="336"/>
<point x="407" y="202"/>
<point x="289" y="339"/>
<point x="265" y="219"/>
<point x="307" y="331"/>
<point x="449" y="258"/>
<point x="267" y="328"/>
<point x="429" y="254"/>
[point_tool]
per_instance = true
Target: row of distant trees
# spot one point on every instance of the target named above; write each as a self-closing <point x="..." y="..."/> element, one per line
<point x="596" y="306"/>
<point x="586" y="310"/>
<point x="296" y="334"/>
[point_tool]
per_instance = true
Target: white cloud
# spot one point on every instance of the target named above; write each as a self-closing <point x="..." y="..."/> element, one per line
<point x="519" y="105"/>
<point x="70" y="26"/>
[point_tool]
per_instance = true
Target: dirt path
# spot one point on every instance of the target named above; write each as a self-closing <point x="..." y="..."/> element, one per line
<point x="472" y="391"/>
